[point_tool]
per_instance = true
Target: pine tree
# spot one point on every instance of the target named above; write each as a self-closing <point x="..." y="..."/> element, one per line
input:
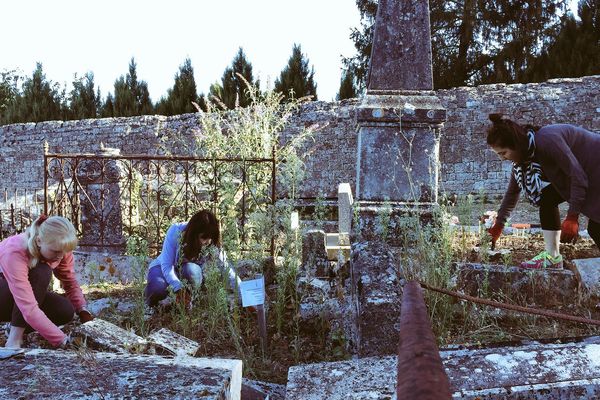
<point x="297" y="80"/>
<point x="473" y="42"/>
<point x="131" y="96"/>
<point x="179" y="98"/>
<point x="348" y="88"/>
<point x="233" y="90"/>
<point x="108" y="108"/>
<point x="576" y="51"/>
<point x="39" y="100"/>
<point x="84" y="101"/>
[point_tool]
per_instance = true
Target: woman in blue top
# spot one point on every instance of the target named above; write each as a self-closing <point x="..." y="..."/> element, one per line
<point x="184" y="256"/>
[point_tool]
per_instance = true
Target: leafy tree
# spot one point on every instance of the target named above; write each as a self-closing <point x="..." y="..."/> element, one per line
<point x="232" y="91"/>
<point x="179" y="98"/>
<point x="473" y="41"/>
<point x="131" y="96"/>
<point x="84" y="101"/>
<point x="348" y="88"/>
<point x="9" y="81"/>
<point x="576" y="51"/>
<point x="296" y="80"/>
<point x="39" y="100"/>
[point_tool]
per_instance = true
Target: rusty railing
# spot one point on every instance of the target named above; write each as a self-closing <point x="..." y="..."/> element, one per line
<point x="110" y="198"/>
<point x="18" y="208"/>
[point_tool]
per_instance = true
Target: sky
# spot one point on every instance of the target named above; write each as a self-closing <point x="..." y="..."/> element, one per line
<point x="77" y="36"/>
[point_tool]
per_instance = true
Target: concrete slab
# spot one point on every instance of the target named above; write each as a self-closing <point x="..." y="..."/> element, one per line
<point x="77" y="375"/>
<point x="105" y="336"/>
<point x="589" y="271"/>
<point x="174" y="342"/>
<point x="535" y="371"/>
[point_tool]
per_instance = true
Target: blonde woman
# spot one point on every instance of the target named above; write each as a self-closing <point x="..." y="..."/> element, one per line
<point x="27" y="262"/>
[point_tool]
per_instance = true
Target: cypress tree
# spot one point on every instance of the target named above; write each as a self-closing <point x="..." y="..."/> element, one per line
<point x="131" y="96"/>
<point x="233" y="90"/>
<point x="297" y="80"/>
<point x="180" y="97"/>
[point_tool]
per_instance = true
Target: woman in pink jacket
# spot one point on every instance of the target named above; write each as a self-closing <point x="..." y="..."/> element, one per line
<point x="27" y="262"/>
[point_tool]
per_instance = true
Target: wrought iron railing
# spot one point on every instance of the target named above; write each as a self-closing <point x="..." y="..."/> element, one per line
<point x="111" y="197"/>
<point x="18" y="208"/>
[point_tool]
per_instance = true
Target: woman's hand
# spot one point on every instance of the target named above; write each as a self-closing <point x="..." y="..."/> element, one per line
<point x="495" y="232"/>
<point x="569" y="229"/>
<point x="85" y="316"/>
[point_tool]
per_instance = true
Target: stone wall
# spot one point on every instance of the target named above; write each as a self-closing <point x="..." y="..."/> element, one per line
<point x="467" y="164"/>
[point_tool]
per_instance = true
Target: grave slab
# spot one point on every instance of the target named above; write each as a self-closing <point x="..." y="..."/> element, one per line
<point x="75" y="375"/>
<point x="535" y="371"/>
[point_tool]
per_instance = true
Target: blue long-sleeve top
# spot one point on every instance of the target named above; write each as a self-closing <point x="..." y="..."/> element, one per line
<point x="168" y="259"/>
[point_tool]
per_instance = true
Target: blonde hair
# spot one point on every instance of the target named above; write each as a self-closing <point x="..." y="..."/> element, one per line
<point x="55" y="230"/>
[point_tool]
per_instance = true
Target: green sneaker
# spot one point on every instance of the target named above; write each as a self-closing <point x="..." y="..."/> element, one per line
<point x="543" y="260"/>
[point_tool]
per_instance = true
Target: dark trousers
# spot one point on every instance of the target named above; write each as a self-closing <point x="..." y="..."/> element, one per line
<point x="56" y="307"/>
<point x="550" y="216"/>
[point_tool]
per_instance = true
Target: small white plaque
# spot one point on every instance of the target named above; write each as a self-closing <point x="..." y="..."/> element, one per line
<point x="253" y="292"/>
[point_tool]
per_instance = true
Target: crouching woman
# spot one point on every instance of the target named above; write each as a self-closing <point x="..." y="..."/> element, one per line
<point x="187" y="249"/>
<point x="27" y="262"/>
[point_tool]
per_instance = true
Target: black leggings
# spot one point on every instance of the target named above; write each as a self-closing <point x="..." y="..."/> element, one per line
<point x="56" y="307"/>
<point x="550" y="217"/>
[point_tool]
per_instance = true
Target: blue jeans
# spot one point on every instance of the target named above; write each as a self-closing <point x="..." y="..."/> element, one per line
<point x="157" y="286"/>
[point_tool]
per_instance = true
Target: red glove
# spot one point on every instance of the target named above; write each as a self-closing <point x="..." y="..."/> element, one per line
<point x="495" y="232"/>
<point x="569" y="229"/>
<point x="85" y="316"/>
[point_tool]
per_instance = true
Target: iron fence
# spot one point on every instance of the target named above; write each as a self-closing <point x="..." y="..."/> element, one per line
<point x="18" y="208"/>
<point x="111" y="198"/>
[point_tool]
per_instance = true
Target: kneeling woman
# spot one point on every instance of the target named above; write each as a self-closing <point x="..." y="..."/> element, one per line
<point x="27" y="261"/>
<point x="551" y="165"/>
<point x="183" y="258"/>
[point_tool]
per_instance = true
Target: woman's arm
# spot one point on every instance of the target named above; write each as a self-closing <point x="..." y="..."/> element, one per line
<point x="509" y="201"/>
<point x="168" y="257"/>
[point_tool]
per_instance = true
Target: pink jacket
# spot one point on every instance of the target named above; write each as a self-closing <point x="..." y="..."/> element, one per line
<point x="14" y="257"/>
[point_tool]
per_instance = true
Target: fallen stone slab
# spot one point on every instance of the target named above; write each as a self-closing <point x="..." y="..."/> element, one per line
<point x="105" y="336"/>
<point x="90" y="375"/>
<point x="542" y="287"/>
<point x="258" y="390"/>
<point x="173" y="342"/>
<point x="536" y="371"/>
<point x="589" y="272"/>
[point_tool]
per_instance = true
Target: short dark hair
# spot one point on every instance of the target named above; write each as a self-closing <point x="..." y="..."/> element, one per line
<point x="204" y="225"/>
<point x="508" y="134"/>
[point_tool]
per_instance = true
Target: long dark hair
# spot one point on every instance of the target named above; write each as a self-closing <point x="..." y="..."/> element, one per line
<point x="203" y="225"/>
<point x="508" y="134"/>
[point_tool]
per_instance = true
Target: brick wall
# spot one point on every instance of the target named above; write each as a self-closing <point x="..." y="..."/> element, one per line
<point x="467" y="164"/>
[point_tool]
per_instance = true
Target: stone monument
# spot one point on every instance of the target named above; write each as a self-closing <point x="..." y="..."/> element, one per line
<point x="399" y="123"/>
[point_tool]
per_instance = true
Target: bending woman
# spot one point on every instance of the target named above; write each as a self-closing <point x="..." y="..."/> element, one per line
<point x="27" y="262"/>
<point x="184" y="256"/>
<point x="552" y="164"/>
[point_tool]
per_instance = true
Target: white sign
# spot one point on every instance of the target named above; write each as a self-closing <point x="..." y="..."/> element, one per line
<point x="253" y="292"/>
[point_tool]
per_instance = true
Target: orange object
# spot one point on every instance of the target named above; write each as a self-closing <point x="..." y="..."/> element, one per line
<point x="521" y="226"/>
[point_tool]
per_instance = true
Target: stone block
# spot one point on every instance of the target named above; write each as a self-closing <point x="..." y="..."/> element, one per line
<point x="174" y="342"/>
<point x="95" y="267"/>
<point x="91" y="375"/>
<point x="589" y="272"/>
<point x="345" y="212"/>
<point x="105" y="336"/>
<point x="543" y="288"/>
